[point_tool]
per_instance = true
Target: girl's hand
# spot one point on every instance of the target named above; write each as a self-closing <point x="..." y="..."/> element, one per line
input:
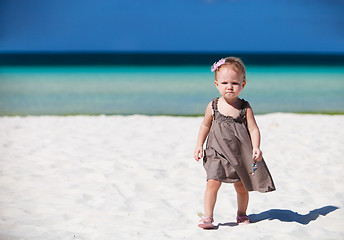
<point x="257" y="154"/>
<point x="198" y="153"/>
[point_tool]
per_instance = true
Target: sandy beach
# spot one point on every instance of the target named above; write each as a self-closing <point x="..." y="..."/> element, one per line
<point x="134" y="177"/>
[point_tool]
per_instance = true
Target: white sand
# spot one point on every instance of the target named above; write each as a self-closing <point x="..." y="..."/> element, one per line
<point x="134" y="178"/>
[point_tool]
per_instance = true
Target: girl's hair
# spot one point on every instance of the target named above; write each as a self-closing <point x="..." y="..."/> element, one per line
<point x="236" y="64"/>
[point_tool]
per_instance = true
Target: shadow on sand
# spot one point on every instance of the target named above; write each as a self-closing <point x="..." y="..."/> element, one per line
<point x="285" y="216"/>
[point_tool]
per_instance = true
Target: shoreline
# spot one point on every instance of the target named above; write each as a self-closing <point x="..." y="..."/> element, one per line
<point x="166" y="115"/>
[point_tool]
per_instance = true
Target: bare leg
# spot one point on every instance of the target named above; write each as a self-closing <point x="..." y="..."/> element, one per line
<point x="242" y="198"/>
<point x="210" y="196"/>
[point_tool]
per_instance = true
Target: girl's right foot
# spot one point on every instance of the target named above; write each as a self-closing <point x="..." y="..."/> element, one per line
<point x="206" y="223"/>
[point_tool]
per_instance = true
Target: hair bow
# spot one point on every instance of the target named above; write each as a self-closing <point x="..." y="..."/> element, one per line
<point x="216" y="65"/>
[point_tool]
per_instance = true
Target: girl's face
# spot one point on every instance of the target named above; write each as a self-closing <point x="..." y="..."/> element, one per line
<point x="229" y="83"/>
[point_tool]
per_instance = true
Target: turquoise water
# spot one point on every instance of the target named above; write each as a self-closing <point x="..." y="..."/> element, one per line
<point x="171" y="90"/>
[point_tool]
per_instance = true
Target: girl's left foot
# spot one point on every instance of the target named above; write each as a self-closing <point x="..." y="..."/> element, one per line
<point x="242" y="220"/>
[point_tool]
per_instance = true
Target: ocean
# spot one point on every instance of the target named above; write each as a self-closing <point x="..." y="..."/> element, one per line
<point x="163" y="90"/>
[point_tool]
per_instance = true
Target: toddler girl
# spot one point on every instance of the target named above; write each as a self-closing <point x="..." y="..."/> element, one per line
<point x="232" y="153"/>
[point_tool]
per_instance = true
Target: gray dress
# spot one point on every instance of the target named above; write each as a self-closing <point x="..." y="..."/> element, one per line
<point x="228" y="153"/>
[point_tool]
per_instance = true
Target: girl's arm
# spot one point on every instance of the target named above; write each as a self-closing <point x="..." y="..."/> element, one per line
<point x="254" y="133"/>
<point x="203" y="132"/>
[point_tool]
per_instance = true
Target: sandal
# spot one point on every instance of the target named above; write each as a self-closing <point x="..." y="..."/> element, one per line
<point x="242" y="219"/>
<point x="206" y="223"/>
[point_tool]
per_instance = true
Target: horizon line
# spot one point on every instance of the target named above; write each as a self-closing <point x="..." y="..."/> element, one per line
<point x="166" y="58"/>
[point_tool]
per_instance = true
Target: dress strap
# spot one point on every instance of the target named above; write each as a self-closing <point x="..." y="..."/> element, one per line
<point x="214" y="106"/>
<point x="243" y="110"/>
